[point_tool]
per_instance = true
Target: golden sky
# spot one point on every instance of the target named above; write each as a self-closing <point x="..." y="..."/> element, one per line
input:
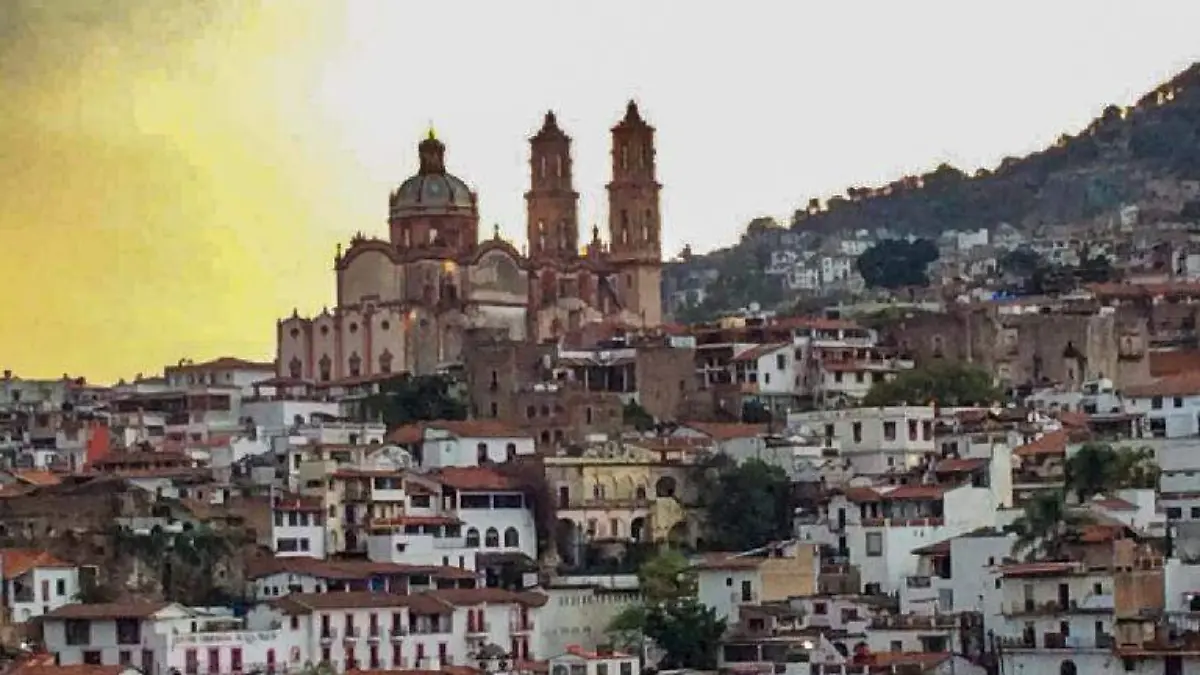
<point x="157" y="181"/>
<point x="175" y="174"/>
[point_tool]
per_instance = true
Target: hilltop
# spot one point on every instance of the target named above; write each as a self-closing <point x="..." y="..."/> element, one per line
<point x="1137" y="155"/>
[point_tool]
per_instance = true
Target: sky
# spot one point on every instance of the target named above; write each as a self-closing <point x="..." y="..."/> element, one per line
<point x="175" y="175"/>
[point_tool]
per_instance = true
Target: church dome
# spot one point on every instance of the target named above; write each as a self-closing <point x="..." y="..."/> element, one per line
<point x="432" y="191"/>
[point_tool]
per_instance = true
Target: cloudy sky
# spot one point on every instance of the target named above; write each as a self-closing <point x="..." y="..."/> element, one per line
<point x="176" y="174"/>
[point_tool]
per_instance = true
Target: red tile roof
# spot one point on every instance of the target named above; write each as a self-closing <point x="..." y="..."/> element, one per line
<point x="348" y="570"/>
<point x="1175" y="362"/>
<point x="861" y="494"/>
<point x="17" y="561"/>
<point x="108" y="610"/>
<point x="36" y="477"/>
<point x="717" y="560"/>
<point x="306" y="603"/>
<point x="77" y="669"/>
<point x="463" y="597"/>
<point x="477" y="428"/>
<point x="1183" y="384"/>
<point x="576" y="650"/>
<point x="1114" y="504"/>
<point x="961" y="465"/>
<point x="473" y="478"/>
<point x="1052" y="443"/>
<point x="225" y="363"/>
<point x="1034" y="569"/>
<point x="937" y="548"/>
<point x="297" y="503"/>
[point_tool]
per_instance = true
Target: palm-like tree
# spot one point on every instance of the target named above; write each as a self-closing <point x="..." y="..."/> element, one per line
<point x="1043" y="529"/>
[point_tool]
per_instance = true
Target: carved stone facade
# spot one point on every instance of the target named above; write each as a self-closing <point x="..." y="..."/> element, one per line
<point x="404" y="304"/>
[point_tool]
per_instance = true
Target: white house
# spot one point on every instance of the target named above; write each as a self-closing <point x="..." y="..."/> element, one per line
<point x="446" y="443"/>
<point x="875" y="440"/>
<point x="298" y="527"/>
<point x="579" y="661"/>
<point x="36" y="583"/>
<point x="1171" y="405"/>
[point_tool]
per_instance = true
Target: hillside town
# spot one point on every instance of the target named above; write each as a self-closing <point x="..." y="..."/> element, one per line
<point x="491" y="457"/>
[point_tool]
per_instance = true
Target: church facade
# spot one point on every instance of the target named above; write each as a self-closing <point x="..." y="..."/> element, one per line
<point x="404" y="303"/>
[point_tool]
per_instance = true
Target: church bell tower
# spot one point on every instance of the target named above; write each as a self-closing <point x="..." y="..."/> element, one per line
<point x="551" y="202"/>
<point x="634" y="228"/>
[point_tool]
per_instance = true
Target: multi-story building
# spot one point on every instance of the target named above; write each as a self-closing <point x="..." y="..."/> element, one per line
<point x="876" y="441"/>
<point x="779" y="571"/>
<point x="36" y="583"/>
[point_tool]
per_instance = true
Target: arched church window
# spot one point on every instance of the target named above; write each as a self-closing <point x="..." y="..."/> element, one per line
<point x="624" y="156"/>
<point x="295" y="368"/>
<point x="558" y="166"/>
<point x="407" y="238"/>
<point x="355" y="364"/>
<point x="647" y="156"/>
<point x="433" y="235"/>
<point x="326" y="368"/>
<point x="542" y="167"/>
<point x="624" y="234"/>
<point x="385" y="362"/>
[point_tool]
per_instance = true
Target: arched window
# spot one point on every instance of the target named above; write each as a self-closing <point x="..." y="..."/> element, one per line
<point x="510" y="451"/>
<point x="472" y="538"/>
<point x="512" y="539"/>
<point x="542" y="167"/>
<point x="1068" y="668"/>
<point x="355" y="364"/>
<point x="295" y="368"/>
<point x="640" y="493"/>
<point x="558" y="165"/>
<point x="385" y="362"/>
<point x="560" y="670"/>
<point x="326" y="366"/>
<point x="491" y="539"/>
<point x="481" y="453"/>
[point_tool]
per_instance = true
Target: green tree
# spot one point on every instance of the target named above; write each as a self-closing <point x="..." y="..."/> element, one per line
<point x="634" y="415"/>
<point x="747" y="506"/>
<point x="408" y="399"/>
<point x="670" y="615"/>
<point x="1097" y="468"/>
<point x="896" y="262"/>
<point x="947" y="384"/>
<point x="1042" y="530"/>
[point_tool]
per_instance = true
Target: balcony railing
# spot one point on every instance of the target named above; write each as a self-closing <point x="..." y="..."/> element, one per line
<point x="902" y="621"/>
<point x="918" y="582"/>
<point x="478" y="628"/>
<point x="328" y="633"/>
<point x="520" y="625"/>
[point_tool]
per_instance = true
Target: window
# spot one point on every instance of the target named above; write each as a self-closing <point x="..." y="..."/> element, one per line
<point x="820" y="608"/>
<point x="1174" y="513"/>
<point x="1156" y="403"/>
<point x="481" y="453"/>
<point x="1178" y="401"/>
<point x="60" y="587"/>
<point x="512" y="539"/>
<point x="1195" y="512"/>
<point x="626" y="668"/>
<point x="92" y="658"/>
<point x="912" y="430"/>
<point x="857" y="428"/>
<point x="747" y="591"/>
<point x="78" y="632"/>
<point x="927" y="430"/>
<point x="510" y="450"/>
<point x="780" y="361"/>
<point x="491" y="538"/>
<point x="874" y="544"/>
<point x="601" y="669"/>
<point x="889" y="431"/>
<point x="472" y="538"/>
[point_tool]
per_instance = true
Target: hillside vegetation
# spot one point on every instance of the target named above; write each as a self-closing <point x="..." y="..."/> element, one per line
<point x="1112" y="162"/>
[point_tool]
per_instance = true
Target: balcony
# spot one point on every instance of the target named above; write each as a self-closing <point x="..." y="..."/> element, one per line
<point x="398" y="633"/>
<point x="918" y="582"/>
<point x="914" y="621"/>
<point x="351" y="634"/>
<point x="479" y="628"/>
<point x="373" y="633"/>
<point x="1054" y="641"/>
<point x="328" y="634"/>
<point x="524" y="625"/>
<point x="1030" y="607"/>
<point x="928" y="521"/>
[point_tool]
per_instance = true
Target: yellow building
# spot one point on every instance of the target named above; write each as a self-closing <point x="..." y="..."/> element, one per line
<point x="617" y="494"/>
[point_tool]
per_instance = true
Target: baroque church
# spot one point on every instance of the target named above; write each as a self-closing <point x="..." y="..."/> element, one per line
<point x="404" y="303"/>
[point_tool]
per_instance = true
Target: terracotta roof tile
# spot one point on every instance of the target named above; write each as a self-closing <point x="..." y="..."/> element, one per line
<point x="1051" y="443"/>
<point x="937" y="548"/>
<point x="406" y="435"/>
<point x="1183" y="384"/>
<point x="225" y="363"/>
<point x="77" y="669"/>
<point x="862" y="494"/>
<point x="473" y="478"/>
<point x="1114" y="504"/>
<point x="17" y="561"/>
<point x="306" y="603"/>
<point x="727" y="561"/>
<point x="1175" y="362"/>
<point x="477" y="428"/>
<point x="915" y="492"/>
<point x="288" y="502"/>
<point x="461" y="597"/>
<point x="108" y="610"/>
<point x="962" y="465"/>
<point x="36" y="477"/>
<point x="1034" y="569"/>
<point x="348" y="570"/>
